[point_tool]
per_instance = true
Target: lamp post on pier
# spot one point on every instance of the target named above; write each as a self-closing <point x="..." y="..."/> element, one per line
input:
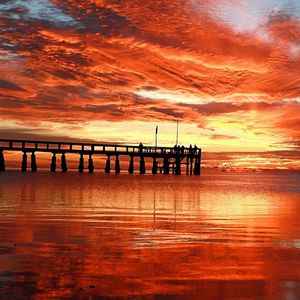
<point x="156" y="133"/>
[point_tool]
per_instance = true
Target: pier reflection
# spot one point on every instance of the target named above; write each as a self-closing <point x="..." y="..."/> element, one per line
<point x="84" y="236"/>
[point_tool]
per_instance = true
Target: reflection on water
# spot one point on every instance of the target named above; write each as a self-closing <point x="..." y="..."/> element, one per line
<point x="82" y="236"/>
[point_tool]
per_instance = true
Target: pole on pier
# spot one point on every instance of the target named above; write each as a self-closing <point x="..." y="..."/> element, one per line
<point x="64" y="167"/>
<point x="154" y="166"/>
<point x="177" y="166"/>
<point x="53" y="163"/>
<point x="107" y="165"/>
<point x="33" y="162"/>
<point x="156" y="133"/>
<point x="2" y="161"/>
<point x="90" y="164"/>
<point x="24" y="162"/>
<point x="131" y="165"/>
<point x="81" y="163"/>
<point x="117" y="165"/>
<point x="166" y="165"/>
<point x="177" y="131"/>
<point x="142" y="165"/>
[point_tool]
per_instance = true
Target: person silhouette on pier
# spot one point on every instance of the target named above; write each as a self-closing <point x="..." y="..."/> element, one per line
<point x="195" y="149"/>
<point x="182" y="149"/>
<point x="176" y="148"/>
<point x="141" y="146"/>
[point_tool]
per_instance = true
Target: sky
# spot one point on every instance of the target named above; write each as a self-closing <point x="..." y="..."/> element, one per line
<point x="111" y="70"/>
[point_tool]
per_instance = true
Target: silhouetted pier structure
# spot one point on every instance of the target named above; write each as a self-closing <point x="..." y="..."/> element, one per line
<point x="165" y="160"/>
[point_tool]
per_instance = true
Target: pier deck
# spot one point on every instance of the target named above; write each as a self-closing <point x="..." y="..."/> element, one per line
<point x="171" y="156"/>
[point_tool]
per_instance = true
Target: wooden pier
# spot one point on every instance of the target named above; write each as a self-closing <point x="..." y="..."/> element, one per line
<point x="165" y="160"/>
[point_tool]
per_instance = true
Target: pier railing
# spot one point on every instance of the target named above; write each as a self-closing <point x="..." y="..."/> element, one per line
<point x="179" y="155"/>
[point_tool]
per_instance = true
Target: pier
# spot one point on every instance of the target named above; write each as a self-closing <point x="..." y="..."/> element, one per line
<point x="165" y="160"/>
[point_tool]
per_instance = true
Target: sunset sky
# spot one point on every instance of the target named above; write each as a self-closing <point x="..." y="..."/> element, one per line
<point x="111" y="70"/>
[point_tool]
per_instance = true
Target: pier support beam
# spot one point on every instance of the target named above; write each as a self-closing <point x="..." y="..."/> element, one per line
<point x="91" y="164"/>
<point x="187" y="165"/>
<point x="142" y="165"/>
<point x="154" y="166"/>
<point x="117" y="165"/>
<point x="131" y="165"/>
<point x="107" y="165"/>
<point x="2" y="161"/>
<point x="166" y="165"/>
<point x="177" y="166"/>
<point x="81" y="163"/>
<point x="33" y="162"/>
<point x="197" y="167"/>
<point x="53" y="163"/>
<point x="64" y="167"/>
<point x="200" y="158"/>
<point x="191" y="166"/>
<point x="24" y="162"/>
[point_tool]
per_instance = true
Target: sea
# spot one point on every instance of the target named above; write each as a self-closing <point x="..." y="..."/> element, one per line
<point x="221" y="235"/>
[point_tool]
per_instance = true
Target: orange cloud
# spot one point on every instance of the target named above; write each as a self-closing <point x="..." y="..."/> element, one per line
<point x="89" y="61"/>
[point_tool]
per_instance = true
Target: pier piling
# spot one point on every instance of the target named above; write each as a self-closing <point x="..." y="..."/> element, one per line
<point x="33" y="162"/>
<point x="142" y="165"/>
<point x="187" y="166"/>
<point x="197" y="167"/>
<point x="177" y="166"/>
<point x="24" y="162"/>
<point x="166" y="165"/>
<point x="64" y="167"/>
<point x="131" y="165"/>
<point x="90" y="164"/>
<point x="2" y="161"/>
<point x="154" y="166"/>
<point x="117" y="165"/>
<point x="53" y="163"/>
<point x="107" y="165"/>
<point x="191" y="166"/>
<point x="81" y="163"/>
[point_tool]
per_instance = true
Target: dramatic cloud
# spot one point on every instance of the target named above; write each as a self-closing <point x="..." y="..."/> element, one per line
<point x="36" y="10"/>
<point x="228" y="69"/>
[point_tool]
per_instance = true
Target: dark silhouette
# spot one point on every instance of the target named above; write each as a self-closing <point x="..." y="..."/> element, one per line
<point x="142" y="165"/>
<point x="81" y="163"/>
<point x="141" y="147"/>
<point x="2" y="162"/>
<point x="131" y="165"/>
<point x="33" y="162"/>
<point x="53" y="162"/>
<point x="24" y="162"/>
<point x="90" y="164"/>
<point x="107" y="165"/>
<point x="117" y="165"/>
<point x="165" y="159"/>
<point x="64" y="166"/>
<point x="195" y="149"/>
<point x="182" y="149"/>
<point x="175" y="148"/>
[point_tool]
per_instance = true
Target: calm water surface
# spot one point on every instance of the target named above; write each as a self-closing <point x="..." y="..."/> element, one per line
<point x="82" y="236"/>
